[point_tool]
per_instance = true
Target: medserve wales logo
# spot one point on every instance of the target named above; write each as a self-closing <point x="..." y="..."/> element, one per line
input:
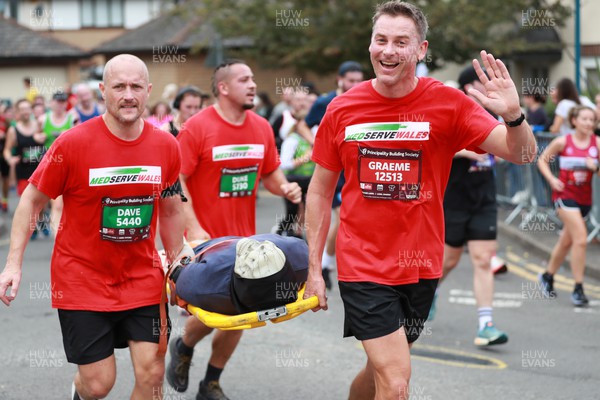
<point x="125" y="175"/>
<point x="238" y="151"/>
<point x="380" y="131"/>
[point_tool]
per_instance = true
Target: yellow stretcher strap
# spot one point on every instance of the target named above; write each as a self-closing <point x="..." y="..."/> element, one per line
<point x="255" y="319"/>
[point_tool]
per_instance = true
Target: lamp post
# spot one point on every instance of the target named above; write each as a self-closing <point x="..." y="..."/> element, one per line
<point x="215" y="54"/>
<point x="577" y="44"/>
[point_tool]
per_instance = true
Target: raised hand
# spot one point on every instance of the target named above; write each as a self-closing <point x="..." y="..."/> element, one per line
<point x="501" y="97"/>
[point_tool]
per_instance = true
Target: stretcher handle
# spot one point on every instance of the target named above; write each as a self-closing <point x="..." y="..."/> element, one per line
<point x="251" y="319"/>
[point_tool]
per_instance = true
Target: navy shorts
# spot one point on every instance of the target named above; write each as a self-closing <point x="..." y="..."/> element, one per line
<point x="372" y="310"/>
<point x="572" y="205"/>
<point x="90" y="336"/>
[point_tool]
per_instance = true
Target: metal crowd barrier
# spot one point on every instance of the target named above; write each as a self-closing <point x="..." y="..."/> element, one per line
<point x="594" y="216"/>
<point x="525" y="190"/>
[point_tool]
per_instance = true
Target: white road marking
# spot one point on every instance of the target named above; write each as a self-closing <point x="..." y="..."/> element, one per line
<point x="470" y="301"/>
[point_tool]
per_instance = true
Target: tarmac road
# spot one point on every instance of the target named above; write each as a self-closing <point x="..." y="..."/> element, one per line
<point x="552" y="353"/>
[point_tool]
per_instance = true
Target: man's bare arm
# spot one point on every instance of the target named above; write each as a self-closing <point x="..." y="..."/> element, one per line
<point x="24" y="222"/>
<point x="193" y="229"/>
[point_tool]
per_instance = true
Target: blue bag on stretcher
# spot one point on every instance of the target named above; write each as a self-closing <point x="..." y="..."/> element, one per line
<point x="235" y="275"/>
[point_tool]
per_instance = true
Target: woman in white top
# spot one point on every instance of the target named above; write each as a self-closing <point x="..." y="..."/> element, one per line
<point x="565" y="96"/>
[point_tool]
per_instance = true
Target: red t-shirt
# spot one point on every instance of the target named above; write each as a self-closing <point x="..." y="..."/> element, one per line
<point x="223" y="164"/>
<point x="396" y="156"/>
<point x="574" y="173"/>
<point x="104" y="257"/>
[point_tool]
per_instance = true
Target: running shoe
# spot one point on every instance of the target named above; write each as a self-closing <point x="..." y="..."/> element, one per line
<point x="433" y="308"/>
<point x="579" y="298"/>
<point x="498" y="265"/>
<point x="178" y="369"/>
<point x="4" y="206"/>
<point x="547" y="285"/>
<point x="34" y="235"/>
<point x="210" y="391"/>
<point x="490" y="335"/>
<point x="327" y="278"/>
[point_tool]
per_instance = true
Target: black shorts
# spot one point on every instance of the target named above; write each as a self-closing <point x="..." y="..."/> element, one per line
<point x="572" y="205"/>
<point x="372" y="310"/>
<point x="4" y="167"/>
<point x="90" y="336"/>
<point x="465" y="225"/>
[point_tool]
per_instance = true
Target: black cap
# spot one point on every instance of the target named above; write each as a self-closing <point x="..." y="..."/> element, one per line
<point x="349" y="66"/>
<point x="60" y="96"/>
<point x="468" y="75"/>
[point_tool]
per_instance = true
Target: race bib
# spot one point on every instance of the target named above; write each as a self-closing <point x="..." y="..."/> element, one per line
<point x="238" y="182"/>
<point x="577" y="171"/>
<point x="127" y="219"/>
<point x="389" y="174"/>
<point x="580" y="177"/>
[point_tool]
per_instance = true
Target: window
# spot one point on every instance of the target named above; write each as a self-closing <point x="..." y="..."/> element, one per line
<point x="101" y="13"/>
<point x="536" y="80"/>
<point x="593" y="81"/>
<point x="8" y="8"/>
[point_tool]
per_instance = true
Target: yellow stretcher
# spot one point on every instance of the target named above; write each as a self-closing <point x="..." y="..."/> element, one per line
<point x="254" y="319"/>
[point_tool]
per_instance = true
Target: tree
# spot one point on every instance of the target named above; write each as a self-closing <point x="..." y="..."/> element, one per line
<point x="316" y="35"/>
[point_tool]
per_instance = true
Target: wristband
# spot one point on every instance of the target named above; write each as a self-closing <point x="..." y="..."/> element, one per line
<point x="516" y="122"/>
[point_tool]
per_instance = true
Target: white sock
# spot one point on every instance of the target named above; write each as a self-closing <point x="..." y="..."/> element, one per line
<point x="485" y="316"/>
<point x="327" y="261"/>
